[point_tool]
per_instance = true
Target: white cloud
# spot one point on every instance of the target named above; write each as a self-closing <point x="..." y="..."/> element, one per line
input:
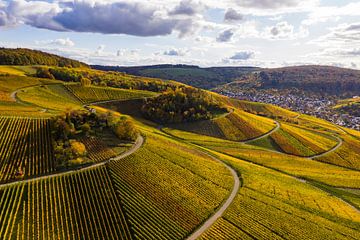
<point x="242" y="56"/>
<point x="60" y="41"/>
<point x="225" y="36"/>
<point x="232" y="15"/>
<point x="175" y="52"/>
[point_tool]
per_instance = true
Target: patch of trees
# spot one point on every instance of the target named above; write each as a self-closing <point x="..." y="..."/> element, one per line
<point x="23" y="56"/>
<point x="317" y="79"/>
<point x="109" y="79"/>
<point x="184" y="104"/>
<point x="73" y="125"/>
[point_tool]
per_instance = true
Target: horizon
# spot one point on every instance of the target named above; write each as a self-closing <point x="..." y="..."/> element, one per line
<point x="204" y="33"/>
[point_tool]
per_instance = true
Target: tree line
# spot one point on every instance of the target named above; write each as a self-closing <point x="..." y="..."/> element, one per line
<point x="184" y="104"/>
<point x="23" y="56"/>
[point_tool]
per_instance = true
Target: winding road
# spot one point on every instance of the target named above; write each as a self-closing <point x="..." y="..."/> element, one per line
<point x="264" y="135"/>
<point x="138" y="143"/>
<point x="340" y="142"/>
<point x="210" y="221"/>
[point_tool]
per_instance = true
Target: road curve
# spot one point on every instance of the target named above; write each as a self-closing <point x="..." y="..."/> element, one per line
<point x="340" y="142"/>
<point x="210" y="221"/>
<point x="138" y="143"/>
<point x="266" y="134"/>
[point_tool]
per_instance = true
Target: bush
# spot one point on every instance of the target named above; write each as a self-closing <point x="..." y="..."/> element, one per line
<point x="77" y="148"/>
<point x="125" y="129"/>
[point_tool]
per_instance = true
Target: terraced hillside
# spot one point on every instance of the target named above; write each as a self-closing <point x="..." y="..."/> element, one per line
<point x="97" y="94"/>
<point x="299" y="176"/>
<point x="235" y="126"/>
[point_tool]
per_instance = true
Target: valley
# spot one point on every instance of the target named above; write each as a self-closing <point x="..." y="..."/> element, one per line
<point x="89" y="154"/>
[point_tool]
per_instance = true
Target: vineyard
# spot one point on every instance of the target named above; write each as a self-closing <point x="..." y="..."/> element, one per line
<point x="236" y="126"/>
<point x="95" y="94"/>
<point x="296" y="166"/>
<point x="25" y="144"/>
<point x="54" y="97"/>
<point x="77" y="206"/>
<point x="299" y="176"/>
<point x="97" y="150"/>
<point x="297" y="141"/>
<point x="273" y="206"/>
<point x="347" y="155"/>
<point x="168" y="193"/>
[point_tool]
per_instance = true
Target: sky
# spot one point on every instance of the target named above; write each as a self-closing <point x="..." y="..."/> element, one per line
<point x="264" y="33"/>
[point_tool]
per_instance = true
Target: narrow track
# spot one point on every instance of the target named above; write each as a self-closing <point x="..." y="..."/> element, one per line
<point x="264" y="135"/>
<point x="138" y="143"/>
<point x="210" y="221"/>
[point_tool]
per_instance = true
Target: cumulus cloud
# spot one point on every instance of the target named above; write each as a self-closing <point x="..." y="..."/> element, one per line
<point x="281" y="30"/>
<point x="187" y="7"/>
<point x="60" y="41"/>
<point x="225" y="36"/>
<point x="243" y="55"/>
<point x="232" y="15"/>
<point x="100" y="49"/>
<point x="343" y="34"/>
<point x="175" y="52"/>
<point x="269" y="4"/>
<point x="121" y="17"/>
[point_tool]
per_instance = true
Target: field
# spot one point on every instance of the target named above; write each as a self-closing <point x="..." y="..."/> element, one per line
<point x="295" y="166"/>
<point x="236" y="126"/>
<point x="263" y="109"/>
<point x="271" y="205"/>
<point x="95" y="94"/>
<point x="298" y="141"/>
<point x="26" y="145"/>
<point x="347" y="155"/>
<point x="49" y="97"/>
<point x="97" y="150"/>
<point x="168" y="185"/>
<point x="76" y="206"/>
<point x="168" y="193"/>
<point x="17" y="70"/>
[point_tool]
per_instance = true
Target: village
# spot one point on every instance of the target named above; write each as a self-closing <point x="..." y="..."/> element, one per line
<point x="311" y="104"/>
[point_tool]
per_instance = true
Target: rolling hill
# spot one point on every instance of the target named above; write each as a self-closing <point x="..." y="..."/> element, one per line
<point x="69" y="168"/>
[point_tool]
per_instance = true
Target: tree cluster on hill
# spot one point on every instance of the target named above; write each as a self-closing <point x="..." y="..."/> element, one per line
<point x="23" y="56"/>
<point x="317" y="79"/>
<point x="206" y="78"/>
<point x="109" y="79"/>
<point x="184" y="104"/>
<point x="72" y="125"/>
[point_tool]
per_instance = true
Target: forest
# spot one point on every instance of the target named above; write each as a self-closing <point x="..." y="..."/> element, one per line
<point x="184" y="104"/>
<point x="317" y="79"/>
<point x="23" y="57"/>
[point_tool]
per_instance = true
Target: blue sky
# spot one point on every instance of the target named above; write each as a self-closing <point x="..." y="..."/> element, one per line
<point x="266" y="33"/>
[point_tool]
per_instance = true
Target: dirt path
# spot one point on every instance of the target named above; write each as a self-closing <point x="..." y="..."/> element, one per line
<point x="340" y="142"/>
<point x="210" y="221"/>
<point x="138" y="143"/>
<point x="264" y="135"/>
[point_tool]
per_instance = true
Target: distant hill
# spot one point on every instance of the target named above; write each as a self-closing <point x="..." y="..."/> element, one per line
<point x="24" y="56"/>
<point x="317" y="79"/>
<point x="205" y="78"/>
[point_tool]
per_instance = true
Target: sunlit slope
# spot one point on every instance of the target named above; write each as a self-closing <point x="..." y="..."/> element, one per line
<point x="54" y="97"/>
<point x="271" y="205"/>
<point x="168" y="188"/>
<point x="298" y="141"/>
<point x="25" y="143"/>
<point x="8" y="104"/>
<point x="74" y="206"/>
<point x="17" y="70"/>
<point x="236" y="126"/>
<point x="95" y="94"/>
